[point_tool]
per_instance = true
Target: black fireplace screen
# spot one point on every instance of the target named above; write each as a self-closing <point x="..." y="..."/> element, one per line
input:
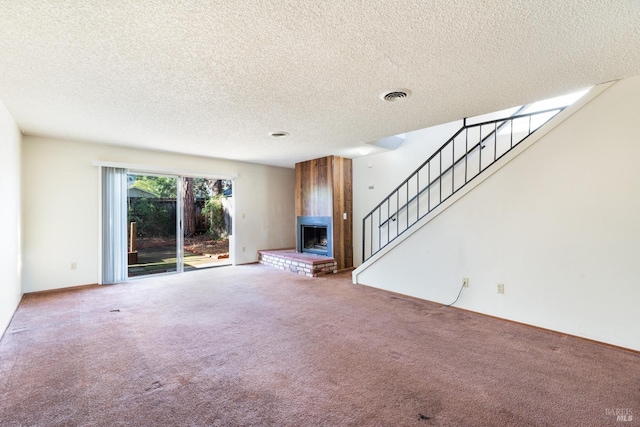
<point x="314" y="237"/>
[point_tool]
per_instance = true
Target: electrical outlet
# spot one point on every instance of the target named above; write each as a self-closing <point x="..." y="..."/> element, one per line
<point x="501" y="288"/>
<point x="465" y="282"/>
<point x="74" y="266"/>
<point x="244" y="249"/>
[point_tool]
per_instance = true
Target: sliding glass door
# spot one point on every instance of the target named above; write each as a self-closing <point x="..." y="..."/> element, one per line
<point x="176" y="223"/>
<point x="153" y="223"/>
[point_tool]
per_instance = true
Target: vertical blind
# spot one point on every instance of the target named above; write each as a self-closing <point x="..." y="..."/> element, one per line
<point x="114" y="225"/>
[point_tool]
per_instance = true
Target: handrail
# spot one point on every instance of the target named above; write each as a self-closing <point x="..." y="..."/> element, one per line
<point x="465" y="126"/>
<point x="493" y="132"/>
<point x="479" y="144"/>
<point x="384" y="220"/>
<point x="417" y="170"/>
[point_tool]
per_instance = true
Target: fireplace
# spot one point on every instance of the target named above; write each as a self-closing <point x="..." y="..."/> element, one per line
<point x="314" y="235"/>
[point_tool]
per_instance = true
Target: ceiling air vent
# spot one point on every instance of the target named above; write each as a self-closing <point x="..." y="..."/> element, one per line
<point x="395" y="95"/>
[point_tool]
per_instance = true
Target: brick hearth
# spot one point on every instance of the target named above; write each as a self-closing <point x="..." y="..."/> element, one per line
<point x="300" y="263"/>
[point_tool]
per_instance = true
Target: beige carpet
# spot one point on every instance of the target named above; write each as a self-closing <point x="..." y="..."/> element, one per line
<point x="253" y="346"/>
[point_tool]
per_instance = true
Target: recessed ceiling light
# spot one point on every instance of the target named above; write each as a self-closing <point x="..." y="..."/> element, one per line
<point x="279" y="134"/>
<point x="395" y="94"/>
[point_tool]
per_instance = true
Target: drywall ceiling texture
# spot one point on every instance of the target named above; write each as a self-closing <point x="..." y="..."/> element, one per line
<point x="214" y="78"/>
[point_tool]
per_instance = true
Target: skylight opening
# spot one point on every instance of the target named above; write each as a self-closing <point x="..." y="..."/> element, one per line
<point x="557" y="102"/>
<point x="525" y="124"/>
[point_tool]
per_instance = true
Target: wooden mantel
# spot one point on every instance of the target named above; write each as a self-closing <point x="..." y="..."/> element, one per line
<point x="324" y="188"/>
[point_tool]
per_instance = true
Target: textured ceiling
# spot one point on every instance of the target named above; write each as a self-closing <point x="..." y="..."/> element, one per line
<point x="213" y="78"/>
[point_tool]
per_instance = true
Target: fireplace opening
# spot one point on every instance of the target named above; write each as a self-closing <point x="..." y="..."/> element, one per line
<point x="314" y="235"/>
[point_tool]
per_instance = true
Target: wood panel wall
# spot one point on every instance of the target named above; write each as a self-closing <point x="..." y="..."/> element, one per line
<point x="342" y="204"/>
<point x="324" y="188"/>
<point x="314" y="187"/>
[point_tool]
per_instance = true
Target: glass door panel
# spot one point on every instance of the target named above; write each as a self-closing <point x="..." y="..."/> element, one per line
<point x="153" y="210"/>
<point x="207" y="222"/>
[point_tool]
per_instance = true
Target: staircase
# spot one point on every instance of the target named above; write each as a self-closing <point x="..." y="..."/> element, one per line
<point x="474" y="148"/>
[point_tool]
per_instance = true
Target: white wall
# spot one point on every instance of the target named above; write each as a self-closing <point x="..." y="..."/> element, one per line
<point x="385" y="171"/>
<point x="10" y="266"/>
<point x="559" y="225"/>
<point x="61" y="201"/>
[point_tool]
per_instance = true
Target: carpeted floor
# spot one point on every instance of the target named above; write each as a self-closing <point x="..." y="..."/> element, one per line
<point x="254" y="346"/>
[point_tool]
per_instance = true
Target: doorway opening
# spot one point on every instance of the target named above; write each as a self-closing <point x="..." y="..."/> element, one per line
<point x="177" y="223"/>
